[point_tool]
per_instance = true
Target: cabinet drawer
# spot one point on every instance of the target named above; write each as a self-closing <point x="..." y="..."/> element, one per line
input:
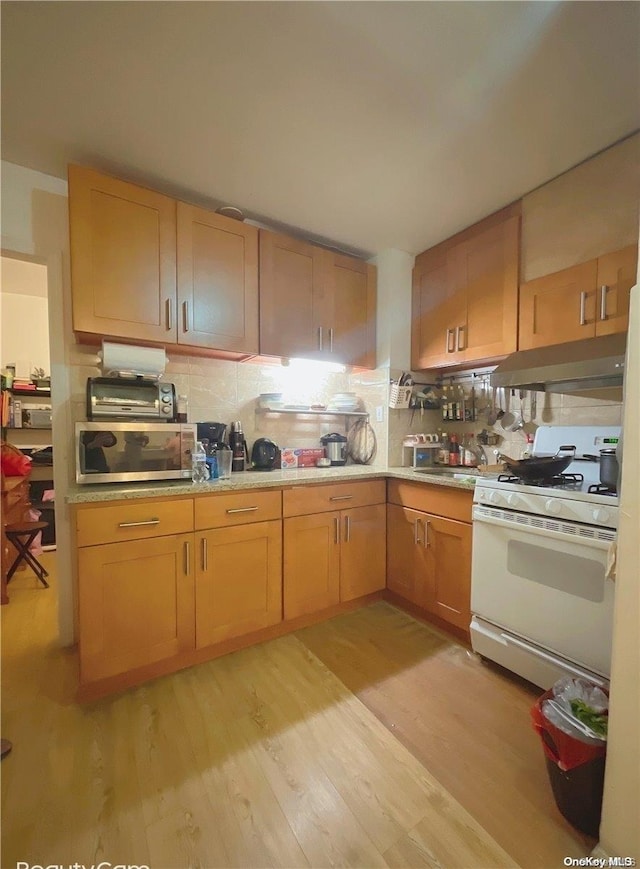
<point x="237" y="508"/>
<point x="303" y="500"/>
<point x="133" y="521"/>
<point x="451" y="503"/>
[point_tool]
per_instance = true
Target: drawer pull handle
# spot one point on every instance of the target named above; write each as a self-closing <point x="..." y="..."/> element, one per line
<point x="205" y="560"/>
<point x="135" y="524"/>
<point x="187" y="559"/>
<point x="603" y="301"/>
<point x="242" y="509"/>
<point x="169" y="317"/>
<point x="416" y="531"/>
<point x="347" y="529"/>
<point x="341" y="497"/>
<point x="320" y="341"/>
<point x="447" y="344"/>
<point x="336" y="529"/>
<point x="330" y="340"/>
<point x="425" y="542"/>
<point x="185" y="316"/>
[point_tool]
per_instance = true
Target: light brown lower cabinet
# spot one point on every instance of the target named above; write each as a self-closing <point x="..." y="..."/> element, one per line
<point x="136" y="602"/>
<point x="429" y="549"/>
<point x="238" y="581"/>
<point x="332" y="557"/>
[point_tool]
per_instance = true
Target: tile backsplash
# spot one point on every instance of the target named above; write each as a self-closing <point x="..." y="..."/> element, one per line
<point x="222" y="391"/>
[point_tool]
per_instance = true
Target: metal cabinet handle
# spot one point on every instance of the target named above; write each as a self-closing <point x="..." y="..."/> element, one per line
<point x="336" y="529"/>
<point x="320" y="342"/>
<point x="416" y="531"/>
<point x="583" y="302"/>
<point x="459" y="331"/>
<point x="603" y="301"/>
<point x="347" y="529"/>
<point x="447" y="344"/>
<point x="169" y="315"/>
<point x="425" y="541"/>
<point x="185" y="316"/>
<point x="341" y="497"/>
<point x="242" y="510"/>
<point x="187" y="557"/>
<point x="135" y="524"/>
<point x="205" y="559"/>
<point x="331" y="340"/>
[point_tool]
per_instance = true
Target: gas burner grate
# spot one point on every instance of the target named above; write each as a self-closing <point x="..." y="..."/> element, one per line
<point x="599" y="489"/>
<point x="565" y="481"/>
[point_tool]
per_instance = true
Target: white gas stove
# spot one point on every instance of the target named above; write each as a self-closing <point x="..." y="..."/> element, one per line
<point x="541" y="601"/>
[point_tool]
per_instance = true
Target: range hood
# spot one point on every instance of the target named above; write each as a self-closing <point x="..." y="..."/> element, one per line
<point x="591" y="368"/>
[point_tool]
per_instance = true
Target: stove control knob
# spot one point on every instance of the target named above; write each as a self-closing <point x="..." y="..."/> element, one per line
<point x="495" y="497"/>
<point x="481" y="495"/>
<point x="600" y="514"/>
<point x="513" y="500"/>
<point x="553" y="506"/>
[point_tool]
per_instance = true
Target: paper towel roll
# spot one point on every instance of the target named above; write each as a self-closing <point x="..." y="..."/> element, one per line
<point x="129" y="359"/>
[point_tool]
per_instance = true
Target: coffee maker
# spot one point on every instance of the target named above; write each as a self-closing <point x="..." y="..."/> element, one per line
<point x="213" y="432"/>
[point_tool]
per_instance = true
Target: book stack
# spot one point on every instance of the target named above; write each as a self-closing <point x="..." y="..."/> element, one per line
<point x="23" y="385"/>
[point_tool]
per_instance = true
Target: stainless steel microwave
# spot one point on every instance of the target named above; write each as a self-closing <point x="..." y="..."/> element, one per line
<point x="132" y="452"/>
<point x="130" y="398"/>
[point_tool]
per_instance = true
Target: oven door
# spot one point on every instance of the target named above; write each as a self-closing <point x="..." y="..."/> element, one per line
<point x="547" y="587"/>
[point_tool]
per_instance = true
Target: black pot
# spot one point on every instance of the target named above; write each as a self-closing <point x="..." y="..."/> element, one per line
<point x="609" y="469"/>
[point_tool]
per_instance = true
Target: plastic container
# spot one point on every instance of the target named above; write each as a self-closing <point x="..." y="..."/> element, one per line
<point x="182" y="409"/>
<point x="199" y="467"/>
<point x="575" y="769"/>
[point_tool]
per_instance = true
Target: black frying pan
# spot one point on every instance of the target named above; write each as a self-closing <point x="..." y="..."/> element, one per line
<point x="533" y="470"/>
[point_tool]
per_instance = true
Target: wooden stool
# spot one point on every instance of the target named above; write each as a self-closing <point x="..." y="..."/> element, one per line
<point x="22" y="535"/>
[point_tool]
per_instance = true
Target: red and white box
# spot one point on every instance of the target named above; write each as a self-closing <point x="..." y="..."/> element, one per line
<point x="300" y="457"/>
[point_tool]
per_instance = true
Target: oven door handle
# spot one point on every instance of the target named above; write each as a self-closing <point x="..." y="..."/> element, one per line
<point x="590" y="677"/>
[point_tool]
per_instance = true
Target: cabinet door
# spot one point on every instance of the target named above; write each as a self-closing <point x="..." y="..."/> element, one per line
<point x="238" y="581"/>
<point x="351" y="323"/>
<point x="558" y="308"/>
<point x="407" y="561"/>
<point x="311" y="563"/>
<point x="488" y="268"/>
<point x="617" y="273"/>
<point x="292" y="295"/>
<point x="363" y="551"/>
<point x="448" y="547"/>
<point x="438" y="308"/>
<point x="136" y="604"/>
<point x="217" y="281"/>
<point x="123" y="258"/>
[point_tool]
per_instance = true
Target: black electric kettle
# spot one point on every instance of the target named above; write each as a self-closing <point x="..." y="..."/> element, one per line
<point x="265" y="455"/>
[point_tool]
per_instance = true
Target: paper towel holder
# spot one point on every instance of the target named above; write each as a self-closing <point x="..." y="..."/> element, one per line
<point x="131" y="361"/>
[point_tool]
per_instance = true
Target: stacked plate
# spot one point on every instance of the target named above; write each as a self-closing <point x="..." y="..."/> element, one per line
<point x="271" y="400"/>
<point x="344" y="402"/>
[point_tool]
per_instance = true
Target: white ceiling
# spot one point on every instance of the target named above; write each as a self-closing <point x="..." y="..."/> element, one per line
<point x="370" y="124"/>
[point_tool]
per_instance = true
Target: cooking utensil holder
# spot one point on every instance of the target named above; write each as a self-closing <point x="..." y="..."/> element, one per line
<point x="399" y="396"/>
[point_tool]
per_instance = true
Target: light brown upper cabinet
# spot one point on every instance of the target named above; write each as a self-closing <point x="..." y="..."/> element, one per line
<point x="583" y="301"/>
<point x="147" y="268"/>
<point x="123" y="258"/>
<point x="465" y="295"/>
<point x="315" y="303"/>
<point x="217" y="281"/>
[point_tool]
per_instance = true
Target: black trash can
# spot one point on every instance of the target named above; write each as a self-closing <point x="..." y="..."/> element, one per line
<point x="575" y="769"/>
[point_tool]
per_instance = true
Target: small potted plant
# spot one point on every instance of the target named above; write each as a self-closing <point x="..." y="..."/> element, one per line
<point x="41" y="380"/>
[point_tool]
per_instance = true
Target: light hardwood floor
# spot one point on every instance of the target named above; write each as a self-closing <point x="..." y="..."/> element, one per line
<point x="260" y="758"/>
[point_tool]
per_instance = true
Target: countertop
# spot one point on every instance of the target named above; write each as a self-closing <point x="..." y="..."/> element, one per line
<point x="259" y="480"/>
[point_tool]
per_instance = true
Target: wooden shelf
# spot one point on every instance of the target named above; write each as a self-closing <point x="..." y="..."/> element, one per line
<point x="40" y="393"/>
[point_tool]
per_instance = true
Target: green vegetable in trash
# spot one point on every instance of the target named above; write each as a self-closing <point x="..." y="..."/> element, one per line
<point x="595" y="720"/>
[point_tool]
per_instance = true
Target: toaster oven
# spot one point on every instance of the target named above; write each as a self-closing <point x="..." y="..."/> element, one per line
<point x="130" y="398"/>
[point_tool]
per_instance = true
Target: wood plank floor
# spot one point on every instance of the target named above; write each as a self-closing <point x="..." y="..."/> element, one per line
<point x="277" y="755"/>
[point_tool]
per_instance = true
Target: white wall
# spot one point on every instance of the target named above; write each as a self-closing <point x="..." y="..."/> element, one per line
<point x="24" y="314"/>
<point x="620" y="830"/>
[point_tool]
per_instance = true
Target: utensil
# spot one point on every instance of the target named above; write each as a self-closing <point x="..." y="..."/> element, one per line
<point x="492" y="416"/>
<point x="511" y="421"/>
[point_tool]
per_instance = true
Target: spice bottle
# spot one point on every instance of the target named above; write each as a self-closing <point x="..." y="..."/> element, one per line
<point x="454" y="450"/>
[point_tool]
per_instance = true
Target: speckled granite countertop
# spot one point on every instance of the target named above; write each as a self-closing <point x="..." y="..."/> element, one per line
<point x="259" y="480"/>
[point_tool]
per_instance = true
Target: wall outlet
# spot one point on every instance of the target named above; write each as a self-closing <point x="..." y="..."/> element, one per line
<point x="379" y="413"/>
